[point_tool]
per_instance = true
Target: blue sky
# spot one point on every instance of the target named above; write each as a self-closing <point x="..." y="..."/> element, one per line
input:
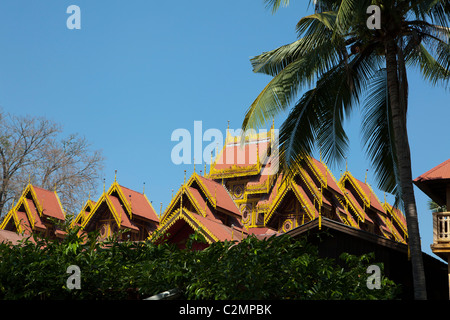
<point x="138" y="70"/>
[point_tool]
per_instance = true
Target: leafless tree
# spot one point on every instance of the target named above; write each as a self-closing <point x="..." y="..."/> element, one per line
<point x="33" y="150"/>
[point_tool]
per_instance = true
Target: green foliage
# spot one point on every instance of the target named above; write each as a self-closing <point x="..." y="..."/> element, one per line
<point x="275" y="268"/>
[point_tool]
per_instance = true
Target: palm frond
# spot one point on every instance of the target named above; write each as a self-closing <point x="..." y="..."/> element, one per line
<point x="281" y="91"/>
<point x="377" y="134"/>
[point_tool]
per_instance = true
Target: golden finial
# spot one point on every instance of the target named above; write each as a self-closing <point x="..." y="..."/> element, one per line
<point x="115" y="175"/>
<point x="103" y="185"/>
<point x="143" y="189"/>
<point x="205" y="170"/>
<point x="172" y="193"/>
<point x="366" y="176"/>
<point x="194" y="164"/>
<point x="184" y="176"/>
<point x="210" y="164"/>
<point x="346" y="164"/>
<point x="160" y="210"/>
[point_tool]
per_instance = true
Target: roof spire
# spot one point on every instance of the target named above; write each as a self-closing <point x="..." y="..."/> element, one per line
<point x="143" y="188"/>
<point x="194" y="164"/>
<point x="184" y="176"/>
<point x="115" y="175"/>
<point x="366" y="176"/>
<point x="103" y="185"/>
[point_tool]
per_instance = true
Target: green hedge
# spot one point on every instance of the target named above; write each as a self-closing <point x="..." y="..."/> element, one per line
<point x="275" y="268"/>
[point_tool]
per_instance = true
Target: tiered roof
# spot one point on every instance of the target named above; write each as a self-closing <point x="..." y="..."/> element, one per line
<point x="119" y="208"/>
<point x="262" y="201"/>
<point x="34" y="211"/>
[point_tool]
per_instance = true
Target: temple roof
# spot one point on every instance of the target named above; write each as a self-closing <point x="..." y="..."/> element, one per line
<point x="124" y="204"/>
<point x="34" y="206"/>
<point x="139" y="204"/>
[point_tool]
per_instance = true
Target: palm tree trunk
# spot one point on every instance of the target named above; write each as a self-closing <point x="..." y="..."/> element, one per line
<point x="404" y="168"/>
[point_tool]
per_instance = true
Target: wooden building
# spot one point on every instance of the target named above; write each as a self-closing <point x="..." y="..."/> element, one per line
<point x="119" y="208"/>
<point x="435" y="183"/>
<point x="244" y="193"/>
<point x="36" y="212"/>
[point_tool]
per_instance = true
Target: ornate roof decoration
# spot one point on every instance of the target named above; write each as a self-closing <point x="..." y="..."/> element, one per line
<point x="34" y="211"/>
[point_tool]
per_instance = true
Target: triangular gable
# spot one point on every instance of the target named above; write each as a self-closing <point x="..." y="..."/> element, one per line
<point x="324" y="174"/>
<point x="121" y="217"/>
<point x="84" y="213"/>
<point x="207" y="191"/>
<point x="116" y="210"/>
<point x="32" y="209"/>
<point x="281" y="188"/>
<point x="364" y="192"/>
<point x="212" y="229"/>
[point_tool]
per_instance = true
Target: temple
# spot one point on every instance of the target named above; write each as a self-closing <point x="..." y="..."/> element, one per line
<point x="37" y="211"/>
<point x="244" y="194"/>
<point x="119" y="209"/>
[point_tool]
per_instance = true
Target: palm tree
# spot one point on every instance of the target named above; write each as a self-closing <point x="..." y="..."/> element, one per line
<point x="341" y="64"/>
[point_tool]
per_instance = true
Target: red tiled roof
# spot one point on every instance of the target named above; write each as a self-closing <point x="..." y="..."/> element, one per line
<point x="38" y="223"/>
<point x="201" y="202"/>
<point x="139" y="204"/>
<point x="24" y="222"/>
<point x="440" y="172"/>
<point x="355" y="203"/>
<point x="434" y="182"/>
<point x="330" y="180"/>
<point x="219" y="230"/>
<point x="49" y="202"/>
<point x="299" y="188"/>
<point x="125" y="221"/>
<point x="233" y="154"/>
<point x="221" y="194"/>
<point x="369" y="193"/>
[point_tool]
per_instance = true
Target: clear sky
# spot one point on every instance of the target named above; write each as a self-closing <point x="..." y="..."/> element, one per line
<point x="138" y="70"/>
